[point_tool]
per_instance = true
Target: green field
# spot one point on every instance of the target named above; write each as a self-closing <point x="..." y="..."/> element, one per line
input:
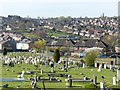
<point x="75" y="72"/>
<point x="30" y="35"/>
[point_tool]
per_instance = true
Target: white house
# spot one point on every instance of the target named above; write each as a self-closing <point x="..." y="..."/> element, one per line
<point x="22" y="46"/>
<point x="8" y="28"/>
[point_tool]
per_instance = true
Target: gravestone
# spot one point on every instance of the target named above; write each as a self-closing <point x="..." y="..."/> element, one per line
<point x="118" y="74"/>
<point x="96" y="65"/>
<point x="70" y="80"/>
<point x="83" y="65"/>
<point x="38" y="78"/>
<point x="85" y="78"/>
<point x="114" y="80"/>
<point x="35" y="78"/>
<point x="101" y="86"/>
<point x="34" y="85"/>
<point x="52" y="67"/>
<point x="94" y="79"/>
<point x="100" y="67"/>
<point x="41" y="71"/>
<point x="105" y="66"/>
<point x="111" y="65"/>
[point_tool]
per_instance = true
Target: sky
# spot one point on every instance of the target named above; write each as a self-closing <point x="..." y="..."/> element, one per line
<point x="56" y="8"/>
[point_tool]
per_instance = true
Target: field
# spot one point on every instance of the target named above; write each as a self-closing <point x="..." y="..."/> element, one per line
<point x="75" y="72"/>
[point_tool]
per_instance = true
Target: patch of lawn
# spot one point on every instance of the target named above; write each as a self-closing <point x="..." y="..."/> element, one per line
<point x="30" y="35"/>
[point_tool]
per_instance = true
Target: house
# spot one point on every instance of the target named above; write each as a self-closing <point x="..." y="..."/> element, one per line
<point x="59" y="43"/>
<point x="8" y="28"/>
<point x="23" y="45"/>
<point x="79" y="45"/>
<point x="90" y="43"/>
<point x="10" y="45"/>
<point x="117" y="48"/>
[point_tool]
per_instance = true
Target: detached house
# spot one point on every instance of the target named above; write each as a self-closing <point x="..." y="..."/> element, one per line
<point x="23" y="45"/>
<point x="10" y="45"/>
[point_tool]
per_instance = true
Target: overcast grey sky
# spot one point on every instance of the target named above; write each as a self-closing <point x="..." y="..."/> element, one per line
<point x="55" y="8"/>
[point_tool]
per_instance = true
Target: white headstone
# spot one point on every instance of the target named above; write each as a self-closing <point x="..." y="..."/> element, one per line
<point x="105" y="66"/>
<point x="41" y="72"/>
<point x="101" y="85"/>
<point x="114" y="80"/>
<point x="95" y="64"/>
<point x="111" y="66"/>
<point x="84" y="78"/>
<point x="100" y="67"/>
<point x="118" y="74"/>
<point x="52" y="69"/>
<point x="83" y="65"/>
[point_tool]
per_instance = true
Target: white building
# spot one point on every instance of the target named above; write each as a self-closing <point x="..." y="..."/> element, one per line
<point x="8" y="28"/>
<point x="22" y="46"/>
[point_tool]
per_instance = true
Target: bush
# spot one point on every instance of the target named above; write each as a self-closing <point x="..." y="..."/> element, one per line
<point x="56" y="55"/>
<point x="39" y="45"/>
<point x="90" y="58"/>
<point x="4" y="51"/>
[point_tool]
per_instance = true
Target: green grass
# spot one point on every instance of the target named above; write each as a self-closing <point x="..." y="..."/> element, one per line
<point x="30" y="35"/>
<point x="75" y="72"/>
<point x="58" y="34"/>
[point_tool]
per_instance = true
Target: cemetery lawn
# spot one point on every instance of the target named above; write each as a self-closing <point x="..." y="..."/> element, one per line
<point x="75" y="72"/>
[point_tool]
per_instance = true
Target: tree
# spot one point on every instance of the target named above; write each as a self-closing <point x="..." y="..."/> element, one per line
<point x="39" y="45"/>
<point x="90" y="58"/>
<point x="56" y="55"/>
<point x="4" y="51"/>
<point x="111" y="40"/>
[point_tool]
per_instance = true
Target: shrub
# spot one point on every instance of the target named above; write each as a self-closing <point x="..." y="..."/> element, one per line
<point x="39" y="45"/>
<point x="90" y="58"/>
<point x="56" y="55"/>
<point x="4" y="51"/>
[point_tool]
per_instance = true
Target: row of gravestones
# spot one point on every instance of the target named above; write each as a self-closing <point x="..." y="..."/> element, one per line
<point x="28" y="60"/>
<point x="111" y="68"/>
<point x="20" y="59"/>
<point x="104" y="65"/>
<point x="69" y="81"/>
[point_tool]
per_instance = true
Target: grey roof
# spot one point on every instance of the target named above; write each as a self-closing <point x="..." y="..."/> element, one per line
<point x="91" y="43"/>
<point x="60" y="42"/>
<point x="81" y="43"/>
<point x="25" y="41"/>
